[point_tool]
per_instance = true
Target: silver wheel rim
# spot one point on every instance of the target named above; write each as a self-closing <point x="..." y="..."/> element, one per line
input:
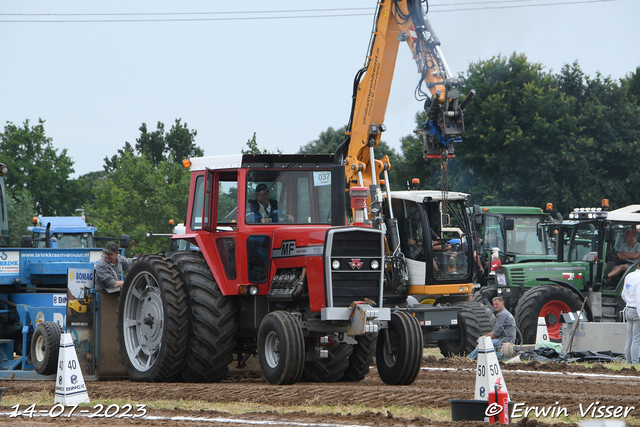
<point x="272" y="349"/>
<point x="143" y="321"/>
<point x="40" y="348"/>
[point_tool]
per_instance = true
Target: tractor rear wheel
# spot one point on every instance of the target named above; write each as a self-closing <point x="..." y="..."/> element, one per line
<point x="281" y="348"/>
<point x="399" y="350"/>
<point x="45" y="347"/>
<point x="474" y="320"/>
<point x="213" y="321"/>
<point x="548" y="301"/>
<point x="361" y="358"/>
<point x="153" y="320"/>
<point x="331" y="368"/>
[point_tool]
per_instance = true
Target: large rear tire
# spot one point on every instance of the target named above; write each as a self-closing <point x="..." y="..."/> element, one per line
<point x="280" y="348"/>
<point x="45" y="348"/>
<point x="153" y="320"/>
<point x="361" y="357"/>
<point x="547" y="301"/>
<point x="399" y="350"/>
<point x="213" y="321"/>
<point x="330" y="369"/>
<point x="474" y="320"/>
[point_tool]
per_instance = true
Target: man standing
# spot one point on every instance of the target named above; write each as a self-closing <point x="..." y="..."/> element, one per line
<point x="110" y="267"/>
<point x="504" y="329"/>
<point x="631" y="295"/>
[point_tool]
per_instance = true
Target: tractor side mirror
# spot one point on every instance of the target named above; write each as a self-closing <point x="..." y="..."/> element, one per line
<point x="477" y="215"/>
<point x="510" y="224"/>
<point x="124" y="241"/>
<point x="26" y="242"/>
<point x="609" y="234"/>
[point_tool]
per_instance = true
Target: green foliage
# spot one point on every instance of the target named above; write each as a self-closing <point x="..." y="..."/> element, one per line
<point x="35" y="164"/>
<point x="158" y="146"/>
<point x="252" y="147"/>
<point x="329" y="140"/>
<point x="138" y="197"/>
<point x="631" y="83"/>
<point x="533" y="137"/>
<point x="20" y="212"/>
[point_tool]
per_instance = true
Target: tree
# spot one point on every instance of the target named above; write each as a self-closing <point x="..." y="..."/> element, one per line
<point x="174" y="146"/>
<point x="329" y="140"/>
<point x="138" y="197"/>
<point x="252" y="147"/>
<point x="35" y="164"/>
<point x="20" y="210"/>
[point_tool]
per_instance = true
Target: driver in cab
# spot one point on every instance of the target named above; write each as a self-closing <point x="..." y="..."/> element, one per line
<point x="264" y="209"/>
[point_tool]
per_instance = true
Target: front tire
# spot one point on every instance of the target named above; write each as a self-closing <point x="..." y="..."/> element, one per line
<point x="399" y="350"/>
<point x="45" y="348"/>
<point x="153" y="320"/>
<point x="280" y="348"/>
<point x="547" y="301"/>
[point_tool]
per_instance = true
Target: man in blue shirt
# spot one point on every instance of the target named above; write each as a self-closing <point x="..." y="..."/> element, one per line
<point x="504" y="329"/>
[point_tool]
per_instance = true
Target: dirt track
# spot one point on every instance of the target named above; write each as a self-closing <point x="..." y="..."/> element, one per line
<point x="532" y="384"/>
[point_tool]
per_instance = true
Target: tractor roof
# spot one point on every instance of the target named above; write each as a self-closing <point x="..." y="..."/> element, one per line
<point x="277" y="161"/>
<point x="512" y="210"/>
<point x="63" y="224"/>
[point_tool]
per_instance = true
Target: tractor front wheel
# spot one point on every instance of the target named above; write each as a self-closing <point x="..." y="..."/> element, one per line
<point x="399" y="350"/>
<point x="281" y="348"/>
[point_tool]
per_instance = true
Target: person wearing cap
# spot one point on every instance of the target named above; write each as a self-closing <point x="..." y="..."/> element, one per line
<point x="631" y="296"/>
<point x="263" y="209"/>
<point x="110" y="267"/>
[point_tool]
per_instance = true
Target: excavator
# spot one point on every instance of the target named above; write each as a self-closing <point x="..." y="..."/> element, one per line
<point x="429" y="243"/>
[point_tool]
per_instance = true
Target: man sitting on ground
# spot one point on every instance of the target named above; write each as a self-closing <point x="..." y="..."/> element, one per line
<point x="503" y="331"/>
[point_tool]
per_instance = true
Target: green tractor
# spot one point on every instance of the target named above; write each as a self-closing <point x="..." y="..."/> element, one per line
<point x="514" y="231"/>
<point x="586" y="247"/>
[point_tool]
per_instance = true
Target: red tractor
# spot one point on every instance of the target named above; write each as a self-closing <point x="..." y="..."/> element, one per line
<point x="269" y="276"/>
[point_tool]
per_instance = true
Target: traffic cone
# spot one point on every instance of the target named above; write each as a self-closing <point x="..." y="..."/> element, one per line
<point x="488" y="370"/>
<point x="70" y="385"/>
<point x="542" y="334"/>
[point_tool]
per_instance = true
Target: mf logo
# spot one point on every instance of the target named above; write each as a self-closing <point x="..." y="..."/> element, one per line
<point x="355" y="263"/>
<point x="288" y="247"/>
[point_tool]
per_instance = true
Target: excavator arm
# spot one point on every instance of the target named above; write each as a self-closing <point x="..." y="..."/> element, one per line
<point x="396" y="22"/>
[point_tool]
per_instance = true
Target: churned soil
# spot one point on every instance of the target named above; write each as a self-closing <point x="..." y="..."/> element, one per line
<point x="534" y="385"/>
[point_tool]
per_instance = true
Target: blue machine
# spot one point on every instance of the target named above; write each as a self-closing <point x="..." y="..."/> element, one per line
<point x="33" y="289"/>
<point x="70" y="232"/>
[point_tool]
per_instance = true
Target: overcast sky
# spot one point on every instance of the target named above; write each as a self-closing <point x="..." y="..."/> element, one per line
<point x="287" y="79"/>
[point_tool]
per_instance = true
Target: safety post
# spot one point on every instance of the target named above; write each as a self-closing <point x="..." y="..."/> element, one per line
<point x="488" y="370"/>
<point x="70" y="385"/>
<point x="542" y="334"/>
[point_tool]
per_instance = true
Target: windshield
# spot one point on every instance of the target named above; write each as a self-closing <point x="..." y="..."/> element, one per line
<point x="523" y="239"/>
<point x="292" y="196"/>
<point x="66" y="241"/>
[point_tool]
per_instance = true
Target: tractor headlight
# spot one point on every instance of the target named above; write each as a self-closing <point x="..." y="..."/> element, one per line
<point x="375" y="264"/>
<point x="335" y="264"/>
